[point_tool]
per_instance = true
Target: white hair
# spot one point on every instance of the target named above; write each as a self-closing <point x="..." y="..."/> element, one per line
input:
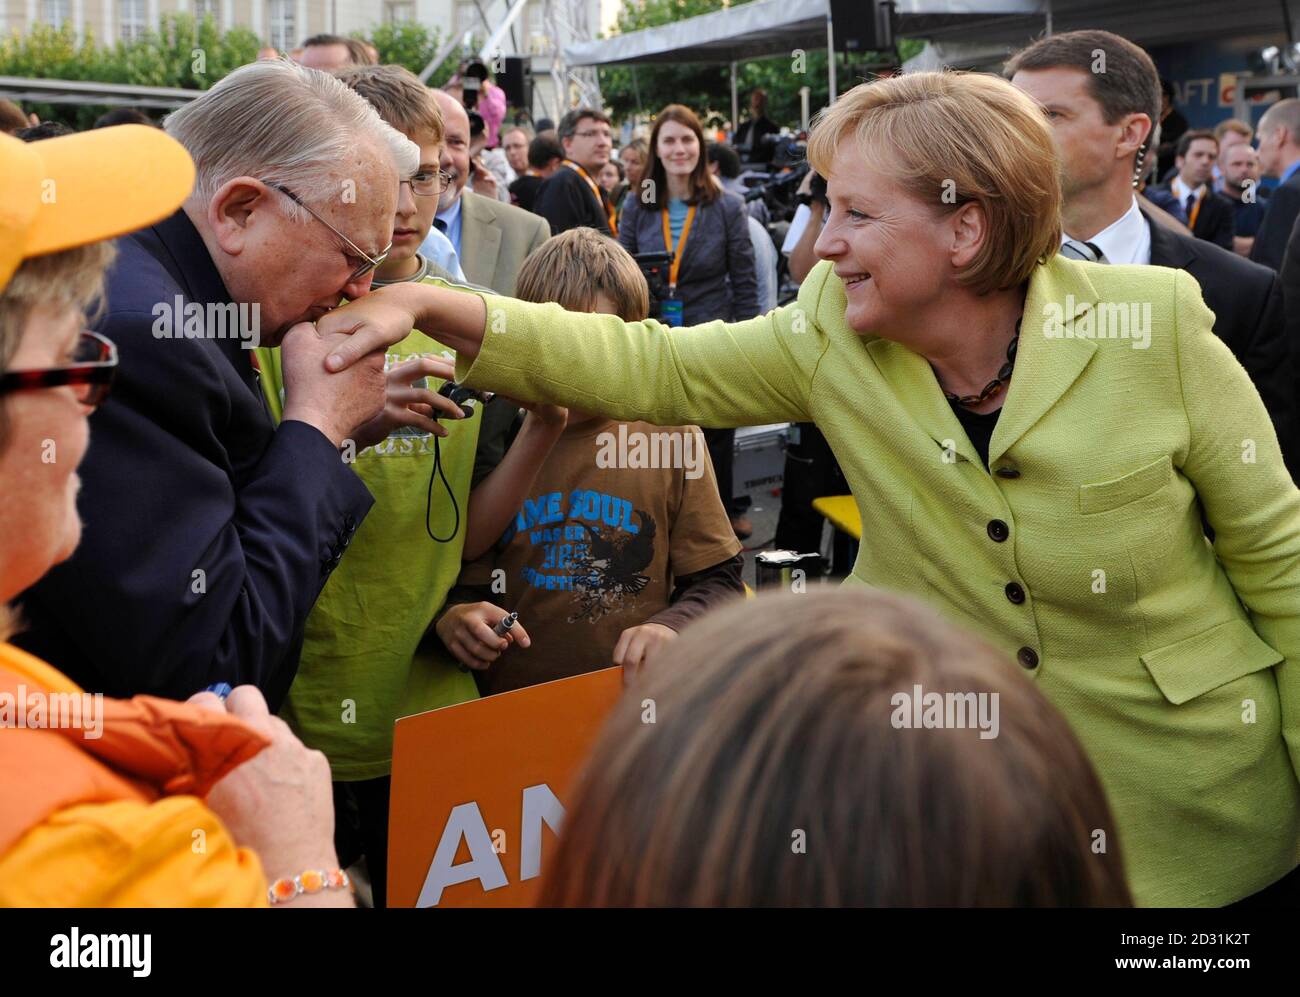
<point x="283" y="124"/>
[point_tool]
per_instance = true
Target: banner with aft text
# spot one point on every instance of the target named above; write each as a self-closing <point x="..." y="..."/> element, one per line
<point x="479" y="791"/>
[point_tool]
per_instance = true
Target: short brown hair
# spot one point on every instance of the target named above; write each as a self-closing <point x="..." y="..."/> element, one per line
<point x="1126" y="83"/>
<point x="1233" y="125"/>
<point x="399" y="97"/>
<point x="573" y="267"/>
<point x="1185" y="142"/>
<point x="949" y="139"/>
<point x="704" y="189"/>
<point x="572" y="119"/>
<point x="778" y="715"/>
<point x="358" y="50"/>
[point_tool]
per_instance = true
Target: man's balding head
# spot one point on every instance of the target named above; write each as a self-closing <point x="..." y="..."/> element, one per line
<point x="455" y="149"/>
<point x="1279" y="137"/>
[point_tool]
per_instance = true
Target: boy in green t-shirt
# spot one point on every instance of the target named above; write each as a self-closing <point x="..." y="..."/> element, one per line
<point x="365" y="658"/>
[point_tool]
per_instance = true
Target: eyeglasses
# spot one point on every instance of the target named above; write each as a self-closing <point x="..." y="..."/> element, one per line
<point x="595" y="133"/>
<point x="429" y="184"/>
<point x="91" y="373"/>
<point x="365" y="268"/>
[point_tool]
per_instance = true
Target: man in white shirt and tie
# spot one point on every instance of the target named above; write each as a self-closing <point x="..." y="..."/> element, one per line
<point x="1103" y="125"/>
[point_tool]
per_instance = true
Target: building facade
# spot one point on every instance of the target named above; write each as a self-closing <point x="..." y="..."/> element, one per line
<point x="539" y="33"/>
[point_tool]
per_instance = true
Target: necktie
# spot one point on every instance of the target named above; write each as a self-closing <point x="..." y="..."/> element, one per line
<point x="1088" y="252"/>
<point x="1191" y="203"/>
<point x="440" y="225"/>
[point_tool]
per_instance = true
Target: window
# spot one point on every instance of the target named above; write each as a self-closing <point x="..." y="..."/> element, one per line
<point x="55" y="12"/>
<point x="533" y="38"/>
<point x="466" y="18"/>
<point x="131" y="20"/>
<point x="283" y="30"/>
<point x="207" y="8"/>
<point x="399" y="11"/>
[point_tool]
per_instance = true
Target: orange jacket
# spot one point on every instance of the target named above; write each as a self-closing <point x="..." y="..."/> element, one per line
<point x="115" y="819"/>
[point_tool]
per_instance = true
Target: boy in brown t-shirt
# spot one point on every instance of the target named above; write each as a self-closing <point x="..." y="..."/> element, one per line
<point x="623" y="538"/>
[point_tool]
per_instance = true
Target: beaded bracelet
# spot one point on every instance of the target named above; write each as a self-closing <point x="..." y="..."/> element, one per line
<point x="307" y="881"/>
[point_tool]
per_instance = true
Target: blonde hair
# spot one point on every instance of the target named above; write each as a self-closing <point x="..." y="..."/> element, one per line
<point x="399" y="97"/>
<point x="950" y="139"/>
<point x="570" y="269"/>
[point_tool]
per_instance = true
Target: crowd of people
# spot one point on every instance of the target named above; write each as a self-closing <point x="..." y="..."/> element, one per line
<point x="387" y="371"/>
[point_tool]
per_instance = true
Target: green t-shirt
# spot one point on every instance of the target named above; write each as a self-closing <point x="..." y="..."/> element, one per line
<point x="363" y="663"/>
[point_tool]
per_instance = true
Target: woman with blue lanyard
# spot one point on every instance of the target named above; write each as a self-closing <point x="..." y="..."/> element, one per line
<point x="683" y="211"/>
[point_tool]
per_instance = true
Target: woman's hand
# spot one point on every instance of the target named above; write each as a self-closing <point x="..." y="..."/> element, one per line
<point x="406" y="405"/>
<point x="466" y="631"/>
<point x="387" y="316"/>
<point x="638" y="645"/>
<point x="280" y="803"/>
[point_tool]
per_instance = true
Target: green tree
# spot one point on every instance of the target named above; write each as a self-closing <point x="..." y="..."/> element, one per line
<point x="413" y="46"/>
<point x="180" y="53"/>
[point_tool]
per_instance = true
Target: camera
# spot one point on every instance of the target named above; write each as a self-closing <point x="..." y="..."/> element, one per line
<point x="460" y="394"/>
<point x="471" y="82"/>
<point x="654" y="268"/>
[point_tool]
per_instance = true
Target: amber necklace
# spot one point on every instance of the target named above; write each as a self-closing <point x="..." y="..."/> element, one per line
<point x="995" y="385"/>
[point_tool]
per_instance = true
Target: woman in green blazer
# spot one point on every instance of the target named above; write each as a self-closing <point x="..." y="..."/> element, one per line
<point x="1032" y="443"/>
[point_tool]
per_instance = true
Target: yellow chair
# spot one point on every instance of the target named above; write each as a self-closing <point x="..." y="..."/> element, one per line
<point x="842" y="512"/>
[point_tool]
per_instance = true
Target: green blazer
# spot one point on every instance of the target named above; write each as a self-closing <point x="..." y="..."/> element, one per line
<point x="1176" y="662"/>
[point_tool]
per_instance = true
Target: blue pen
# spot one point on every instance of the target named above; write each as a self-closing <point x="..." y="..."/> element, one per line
<point x="222" y="689"/>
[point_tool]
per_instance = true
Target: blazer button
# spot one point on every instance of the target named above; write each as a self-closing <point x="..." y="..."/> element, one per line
<point x="1028" y="657"/>
<point x="998" y="530"/>
<point x="1007" y="472"/>
<point x="1015" y="593"/>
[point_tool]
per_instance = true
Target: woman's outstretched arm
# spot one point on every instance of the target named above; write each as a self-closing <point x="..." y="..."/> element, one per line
<point x="718" y="374"/>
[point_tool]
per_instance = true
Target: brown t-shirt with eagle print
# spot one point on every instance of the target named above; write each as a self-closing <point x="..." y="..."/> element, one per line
<point x="618" y="511"/>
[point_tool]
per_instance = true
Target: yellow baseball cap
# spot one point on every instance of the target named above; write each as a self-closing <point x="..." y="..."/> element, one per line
<point x="76" y="189"/>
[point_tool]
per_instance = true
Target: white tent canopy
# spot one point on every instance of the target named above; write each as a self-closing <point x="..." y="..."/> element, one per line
<point x="773" y="27"/>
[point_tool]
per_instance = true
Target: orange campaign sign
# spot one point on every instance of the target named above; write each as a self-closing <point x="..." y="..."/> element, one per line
<point x="479" y="791"/>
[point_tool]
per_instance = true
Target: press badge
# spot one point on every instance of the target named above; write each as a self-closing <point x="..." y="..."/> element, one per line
<point x="670" y="312"/>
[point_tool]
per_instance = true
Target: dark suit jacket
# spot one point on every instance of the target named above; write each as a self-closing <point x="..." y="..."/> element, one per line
<point x="1246" y="299"/>
<point x="1216" y="219"/>
<point x="718" y="278"/>
<point x="565" y="200"/>
<point x="1289" y="277"/>
<point x="1275" y="229"/>
<point x="209" y="533"/>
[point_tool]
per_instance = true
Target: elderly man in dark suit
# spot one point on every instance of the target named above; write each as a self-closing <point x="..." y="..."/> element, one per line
<point x="210" y="532"/>
<point x="1279" y="156"/>
<point x="1102" y="123"/>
